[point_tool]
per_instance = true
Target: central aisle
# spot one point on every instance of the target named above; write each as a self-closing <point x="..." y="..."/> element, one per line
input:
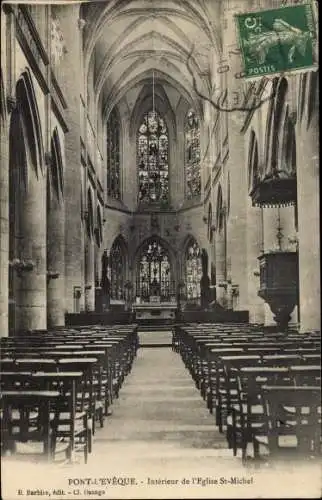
<point x="160" y="414"/>
<point x="160" y="442"/>
<point x="160" y="429"/>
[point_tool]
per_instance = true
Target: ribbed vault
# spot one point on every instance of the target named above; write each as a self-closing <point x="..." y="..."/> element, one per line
<point x="125" y="41"/>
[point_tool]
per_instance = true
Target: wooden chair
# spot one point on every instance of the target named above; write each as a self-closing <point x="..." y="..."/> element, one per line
<point x="71" y="424"/>
<point x="21" y="429"/>
<point x="290" y="433"/>
<point x="226" y="385"/>
<point x="247" y="414"/>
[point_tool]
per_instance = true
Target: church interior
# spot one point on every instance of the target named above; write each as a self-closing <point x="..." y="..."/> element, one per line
<point x="159" y="214"/>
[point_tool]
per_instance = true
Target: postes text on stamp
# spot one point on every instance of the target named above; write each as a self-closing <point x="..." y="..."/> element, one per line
<point x="277" y="40"/>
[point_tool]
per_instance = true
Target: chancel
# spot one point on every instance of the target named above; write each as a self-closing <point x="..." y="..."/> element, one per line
<point x="155" y="296"/>
<point x="154" y="194"/>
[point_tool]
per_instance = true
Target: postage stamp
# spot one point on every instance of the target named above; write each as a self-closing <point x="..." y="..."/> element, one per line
<point x="277" y="40"/>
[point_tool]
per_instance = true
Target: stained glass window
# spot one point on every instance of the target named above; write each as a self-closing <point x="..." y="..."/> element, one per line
<point x="113" y="157"/>
<point x="154" y="272"/>
<point x="193" y="270"/>
<point x="192" y="155"/>
<point x="117" y="264"/>
<point x="152" y="157"/>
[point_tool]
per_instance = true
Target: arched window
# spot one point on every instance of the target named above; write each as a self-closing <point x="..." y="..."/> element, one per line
<point x="152" y="158"/>
<point x="192" y="155"/>
<point x="117" y="260"/>
<point x="154" y="272"/>
<point x="193" y="270"/>
<point x="113" y="157"/>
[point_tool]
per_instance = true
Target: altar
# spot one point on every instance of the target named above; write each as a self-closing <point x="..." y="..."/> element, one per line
<point x="155" y="311"/>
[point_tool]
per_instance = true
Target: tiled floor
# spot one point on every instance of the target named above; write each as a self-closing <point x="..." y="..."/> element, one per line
<point x="160" y="430"/>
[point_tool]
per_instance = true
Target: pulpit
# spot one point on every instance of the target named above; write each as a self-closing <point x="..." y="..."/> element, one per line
<point x="279" y="284"/>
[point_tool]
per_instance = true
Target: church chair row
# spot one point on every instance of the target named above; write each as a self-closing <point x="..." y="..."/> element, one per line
<point x="108" y="372"/>
<point x="212" y="370"/>
<point x="250" y="328"/>
<point x="93" y="394"/>
<point x="117" y="357"/>
<point x="195" y="349"/>
<point x="124" y="339"/>
<point x="247" y="409"/>
<point x="53" y="409"/>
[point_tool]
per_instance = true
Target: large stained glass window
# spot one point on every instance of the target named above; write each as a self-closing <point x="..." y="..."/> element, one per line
<point x="117" y="264"/>
<point x="192" y="156"/>
<point x="193" y="270"/>
<point x="152" y="157"/>
<point x="154" y="272"/>
<point x="113" y="157"/>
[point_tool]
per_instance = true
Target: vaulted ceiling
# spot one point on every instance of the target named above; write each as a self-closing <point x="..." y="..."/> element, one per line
<point x="126" y="41"/>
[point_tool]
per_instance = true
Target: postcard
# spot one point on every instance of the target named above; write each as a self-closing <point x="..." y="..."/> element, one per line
<point x="160" y="250"/>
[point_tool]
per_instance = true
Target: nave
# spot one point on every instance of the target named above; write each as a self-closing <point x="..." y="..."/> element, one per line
<point x="159" y="431"/>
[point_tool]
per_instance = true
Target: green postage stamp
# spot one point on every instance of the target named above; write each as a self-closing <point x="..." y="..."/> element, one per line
<point x="277" y="40"/>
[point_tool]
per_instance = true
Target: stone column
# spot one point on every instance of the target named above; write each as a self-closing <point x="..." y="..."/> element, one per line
<point x="55" y="264"/>
<point x="7" y="71"/>
<point x="74" y="241"/>
<point x="89" y="275"/>
<point x="270" y="242"/>
<point x="254" y="234"/>
<point x="31" y="307"/>
<point x="4" y="229"/>
<point x="237" y="212"/>
<point x="97" y="277"/>
<point x="221" y="267"/>
<point x="308" y="199"/>
<point x="287" y="223"/>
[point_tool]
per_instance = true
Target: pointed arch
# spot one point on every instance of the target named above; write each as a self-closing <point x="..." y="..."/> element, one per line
<point x="220" y="220"/>
<point x="153" y="159"/>
<point x="192" y="155"/>
<point x="99" y="227"/>
<point x="144" y="103"/>
<point x="118" y="262"/>
<point x="274" y="123"/>
<point x="29" y="114"/>
<point x="228" y="194"/>
<point x="313" y="96"/>
<point x="269" y="127"/>
<point x="253" y="162"/>
<point x="154" y="270"/>
<point x="18" y="162"/>
<point x="90" y="214"/>
<point x="113" y="152"/>
<point x="192" y="269"/>
<point x="210" y="223"/>
<point x="288" y="147"/>
<point x="56" y="168"/>
<point x="3" y="102"/>
<point x="302" y="94"/>
<point x="279" y="112"/>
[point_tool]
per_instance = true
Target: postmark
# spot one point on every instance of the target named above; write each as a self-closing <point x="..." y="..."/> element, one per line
<point x="277" y="40"/>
